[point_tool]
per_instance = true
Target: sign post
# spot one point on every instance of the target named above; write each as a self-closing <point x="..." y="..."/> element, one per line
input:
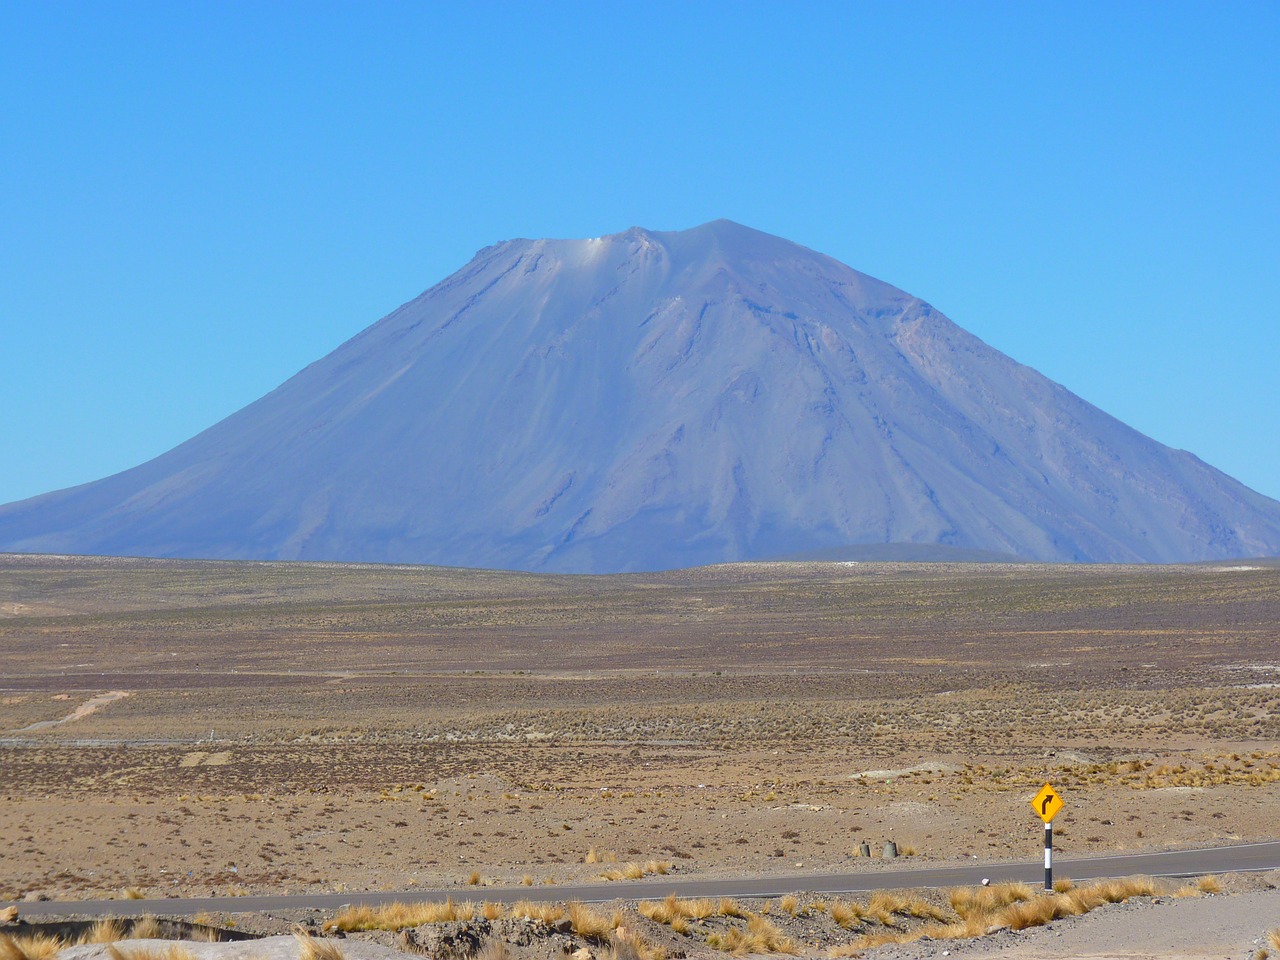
<point x="1047" y="804"/>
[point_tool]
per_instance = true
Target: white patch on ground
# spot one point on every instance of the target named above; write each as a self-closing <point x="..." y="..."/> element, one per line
<point x="931" y="767"/>
<point x="82" y="711"/>
<point x="201" y="759"/>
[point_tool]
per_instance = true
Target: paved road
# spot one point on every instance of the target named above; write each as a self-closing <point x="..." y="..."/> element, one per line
<point x="1244" y="857"/>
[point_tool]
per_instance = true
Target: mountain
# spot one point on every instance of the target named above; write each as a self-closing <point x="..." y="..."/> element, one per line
<point x="659" y="399"/>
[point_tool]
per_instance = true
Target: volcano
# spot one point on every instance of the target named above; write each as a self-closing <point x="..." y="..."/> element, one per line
<point x="650" y="400"/>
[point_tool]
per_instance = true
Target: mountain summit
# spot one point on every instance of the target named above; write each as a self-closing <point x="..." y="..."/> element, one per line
<point x="658" y="399"/>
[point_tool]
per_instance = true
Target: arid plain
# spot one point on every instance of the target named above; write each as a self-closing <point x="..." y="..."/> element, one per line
<point x="178" y="727"/>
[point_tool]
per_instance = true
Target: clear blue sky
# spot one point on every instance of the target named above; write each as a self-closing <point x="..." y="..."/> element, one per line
<point x="201" y="198"/>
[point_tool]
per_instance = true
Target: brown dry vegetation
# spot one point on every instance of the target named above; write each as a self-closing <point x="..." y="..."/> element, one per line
<point x="320" y="727"/>
<point x="982" y="910"/>
<point x="792" y="924"/>
<point x="316" y="948"/>
<point x="174" y="951"/>
<point x="109" y="932"/>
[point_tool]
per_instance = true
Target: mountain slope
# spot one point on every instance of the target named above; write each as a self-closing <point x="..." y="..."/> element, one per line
<point x="650" y="400"/>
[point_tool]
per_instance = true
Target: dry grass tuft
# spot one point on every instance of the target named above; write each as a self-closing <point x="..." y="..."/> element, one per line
<point x="313" y="948"/>
<point x="630" y="946"/>
<point x="107" y="930"/>
<point x="672" y="910"/>
<point x="662" y="911"/>
<point x="760" y="936"/>
<point x="981" y="910"/>
<point x="544" y="912"/>
<point x="1112" y="891"/>
<point x="491" y="911"/>
<point x="474" y="879"/>
<point x="1042" y="910"/>
<point x="635" y="871"/>
<point x="846" y="914"/>
<point x="8" y="914"/>
<point x="133" y="893"/>
<point x="397" y="916"/>
<point x="677" y="913"/>
<point x="172" y="951"/>
<point x="591" y="925"/>
<point x="731" y="908"/>
<point x="145" y="928"/>
<point x="1209" y="884"/>
<point x="972" y="902"/>
<point x="32" y="947"/>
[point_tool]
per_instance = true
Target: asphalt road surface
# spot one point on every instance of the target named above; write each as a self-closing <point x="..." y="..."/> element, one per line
<point x="1244" y="857"/>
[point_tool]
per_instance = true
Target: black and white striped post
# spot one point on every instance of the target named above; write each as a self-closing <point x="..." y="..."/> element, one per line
<point x="1048" y="855"/>
<point x="1047" y="805"/>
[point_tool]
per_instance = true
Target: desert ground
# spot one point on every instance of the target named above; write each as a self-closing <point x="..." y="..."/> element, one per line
<point x="185" y="728"/>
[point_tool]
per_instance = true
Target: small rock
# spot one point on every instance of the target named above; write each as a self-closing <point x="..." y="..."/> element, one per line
<point x="582" y="953"/>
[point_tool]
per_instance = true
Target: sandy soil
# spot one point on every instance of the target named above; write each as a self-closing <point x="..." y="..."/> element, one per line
<point x="299" y="727"/>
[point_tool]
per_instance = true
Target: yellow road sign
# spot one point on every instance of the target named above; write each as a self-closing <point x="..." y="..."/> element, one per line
<point x="1047" y="803"/>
